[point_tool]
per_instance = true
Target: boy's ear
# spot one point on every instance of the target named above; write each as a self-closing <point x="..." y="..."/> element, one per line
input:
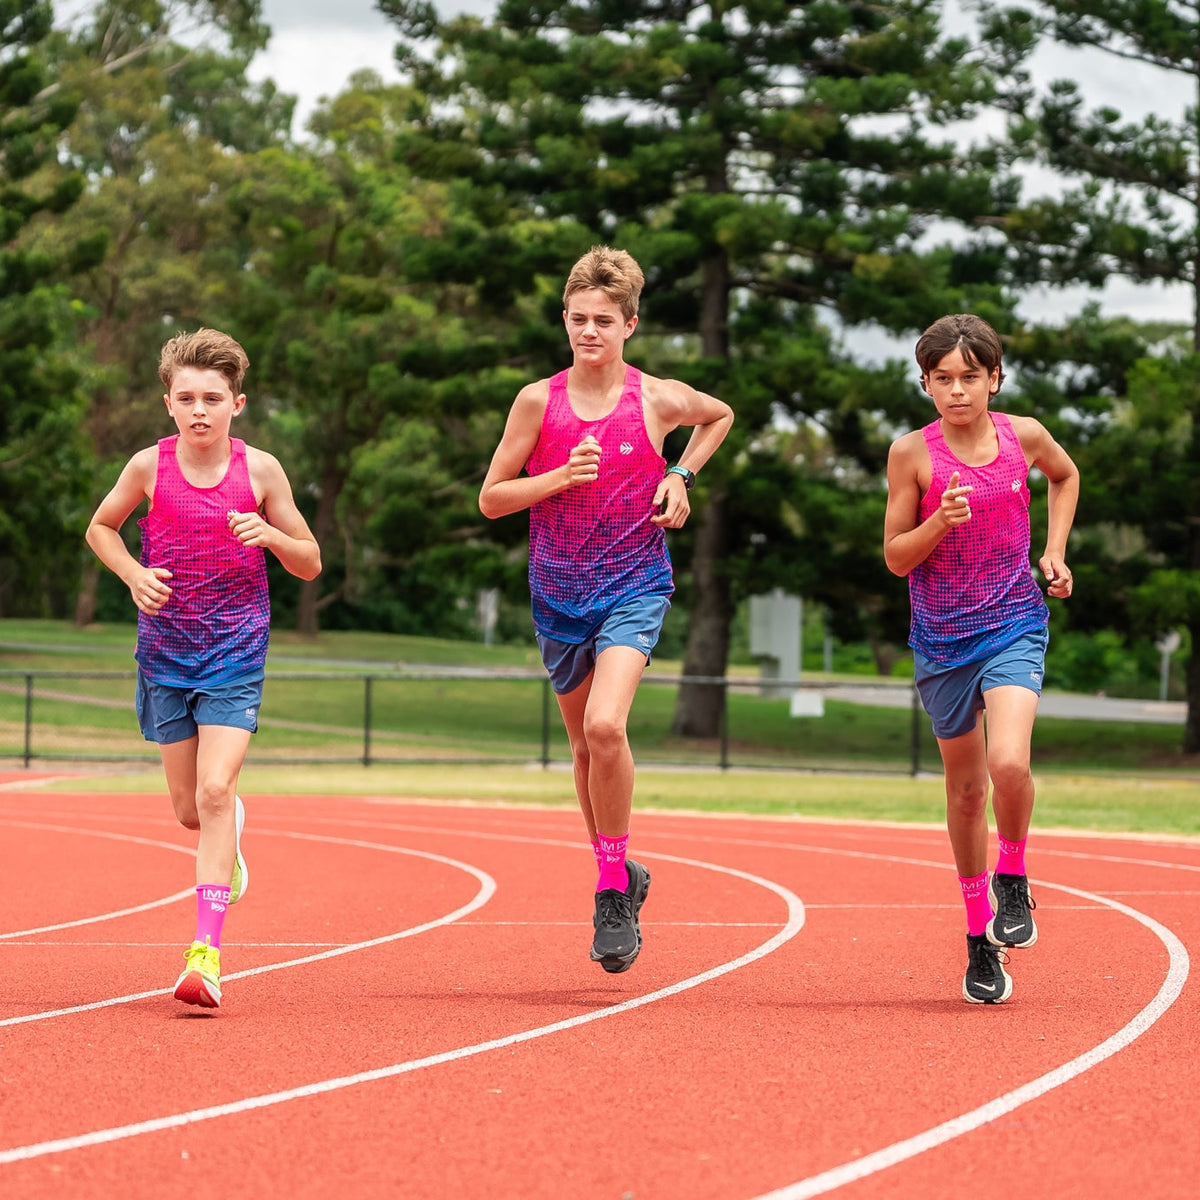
<point x="925" y="385"/>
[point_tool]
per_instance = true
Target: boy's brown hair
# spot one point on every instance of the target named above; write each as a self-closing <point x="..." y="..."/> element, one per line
<point x="614" y="272"/>
<point x="972" y="336"/>
<point x="206" y="350"/>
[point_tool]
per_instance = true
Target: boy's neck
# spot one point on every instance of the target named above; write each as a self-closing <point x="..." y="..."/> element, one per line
<point x="976" y="440"/>
<point x="596" y="380"/>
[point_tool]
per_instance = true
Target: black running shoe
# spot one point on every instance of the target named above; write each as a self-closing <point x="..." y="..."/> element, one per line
<point x="618" y="939"/>
<point x="986" y="980"/>
<point x="1013" y="923"/>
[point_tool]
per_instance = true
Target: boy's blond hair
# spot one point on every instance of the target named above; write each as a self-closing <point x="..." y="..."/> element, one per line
<point x="206" y="350"/>
<point x="614" y="272"/>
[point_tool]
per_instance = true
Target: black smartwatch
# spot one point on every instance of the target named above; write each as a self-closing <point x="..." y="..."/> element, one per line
<point x="689" y="477"/>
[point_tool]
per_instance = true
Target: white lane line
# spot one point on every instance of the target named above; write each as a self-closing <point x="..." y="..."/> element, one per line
<point x="898" y="1152"/>
<point x="487" y="888"/>
<point x="795" y="922"/>
<point x="106" y="916"/>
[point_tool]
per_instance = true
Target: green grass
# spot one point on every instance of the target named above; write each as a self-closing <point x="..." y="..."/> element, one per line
<point x="1161" y="806"/>
<point x="1103" y="775"/>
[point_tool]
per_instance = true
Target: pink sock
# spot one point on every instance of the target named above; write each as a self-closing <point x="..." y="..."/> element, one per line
<point x="212" y="899"/>
<point x="612" y="863"/>
<point x="979" y="907"/>
<point x="596" y="852"/>
<point x="1012" y="857"/>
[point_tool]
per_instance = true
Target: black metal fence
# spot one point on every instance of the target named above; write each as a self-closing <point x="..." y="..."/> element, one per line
<point x="472" y="715"/>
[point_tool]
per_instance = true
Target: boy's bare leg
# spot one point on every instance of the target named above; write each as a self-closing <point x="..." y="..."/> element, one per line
<point x="202" y="774"/>
<point x="596" y="715"/>
<point x="965" y="761"/>
<point x="1010" y="715"/>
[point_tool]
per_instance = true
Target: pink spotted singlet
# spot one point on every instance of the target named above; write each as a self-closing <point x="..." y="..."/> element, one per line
<point x="975" y="593"/>
<point x="214" y="628"/>
<point x="591" y="547"/>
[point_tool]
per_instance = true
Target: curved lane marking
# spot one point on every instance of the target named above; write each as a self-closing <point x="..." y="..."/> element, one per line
<point x="816" y="1185"/>
<point x="487" y="888"/>
<point x="898" y="1152"/>
<point x="795" y="922"/>
<point x="106" y="916"/>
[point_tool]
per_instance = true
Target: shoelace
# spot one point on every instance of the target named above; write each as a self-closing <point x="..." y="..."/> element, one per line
<point x="1017" y="897"/>
<point x="614" y="909"/>
<point x="986" y="959"/>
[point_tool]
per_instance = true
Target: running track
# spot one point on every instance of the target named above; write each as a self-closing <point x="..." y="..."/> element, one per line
<point x="410" y="1012"/>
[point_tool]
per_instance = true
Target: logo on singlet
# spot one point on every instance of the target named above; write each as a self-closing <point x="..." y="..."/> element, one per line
<point x="1016" y="485"/>
<point x="626" y="447"/>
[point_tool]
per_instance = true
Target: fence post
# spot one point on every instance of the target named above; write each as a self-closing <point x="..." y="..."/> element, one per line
<point x="28" y="720"/>
<point x="366" y="755"/>
<point x="915" y="738"/>
<point x="724" y="724"/>
<point x="545" y="723"/>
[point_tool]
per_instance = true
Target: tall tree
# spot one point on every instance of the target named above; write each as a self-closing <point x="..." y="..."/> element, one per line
<point x="43" y="459"/>
<point x="1129" y="205"/>
<point x="164" y="111"/>
<point x="767" y="163"/>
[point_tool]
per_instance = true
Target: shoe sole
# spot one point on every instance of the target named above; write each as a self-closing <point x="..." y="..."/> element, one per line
<point x="991" y="999"/>
<point x="192" y="988"/>
<point x="612" y="964"/>
<point x="996" y="938"/>
<point x="240" y="818"/>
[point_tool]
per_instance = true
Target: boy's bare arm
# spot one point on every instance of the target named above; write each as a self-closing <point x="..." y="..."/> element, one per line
<point x="280" y="528"/>
<point x="1062" y="477"/>
<point x="147" y="585"/>
<point x="674" y="404"/>
<point x="505" y="490"/>
<point x="908" y="542"/>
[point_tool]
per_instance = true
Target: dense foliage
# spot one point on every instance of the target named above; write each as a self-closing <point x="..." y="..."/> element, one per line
<point x="803" y="184"/>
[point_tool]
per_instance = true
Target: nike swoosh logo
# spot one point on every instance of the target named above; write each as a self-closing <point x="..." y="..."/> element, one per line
<point x="1013" y="928"/>
<point x="987" y="987"/>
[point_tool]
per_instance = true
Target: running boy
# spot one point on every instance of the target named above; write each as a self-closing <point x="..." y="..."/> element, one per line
<point x="203" y="612"/>
<point x="957" y="525"/>
<point x="590" y="443"/>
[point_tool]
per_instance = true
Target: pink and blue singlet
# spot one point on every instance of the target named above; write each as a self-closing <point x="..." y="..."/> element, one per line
<point x="593" y="546"/>
<point x="215" y="626"/>
<point x="975" y="593"/>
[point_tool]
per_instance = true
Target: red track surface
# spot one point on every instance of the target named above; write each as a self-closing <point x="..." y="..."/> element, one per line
<point x="825" y="1048"/>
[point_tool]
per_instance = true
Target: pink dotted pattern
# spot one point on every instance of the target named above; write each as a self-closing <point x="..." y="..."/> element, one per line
<point x="593" y="546"/>
<point x="976" y="594"/>
<point x="215" y="626"/>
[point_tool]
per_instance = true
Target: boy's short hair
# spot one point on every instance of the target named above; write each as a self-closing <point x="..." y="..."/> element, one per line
<point x="207" y="350"/>
<point x="614" y="272"/>
<point x="977" y="341"/>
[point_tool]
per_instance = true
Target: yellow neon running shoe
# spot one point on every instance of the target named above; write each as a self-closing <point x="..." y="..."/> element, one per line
<point x="200" y="982"/>
<point x="241" y="874"/>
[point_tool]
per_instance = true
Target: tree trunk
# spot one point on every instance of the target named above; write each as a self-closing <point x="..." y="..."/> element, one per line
<point x="85" y="602"/>
<point x="324" y="530"/>
<point x="700" y="706"/>
<point x="1191" y="720"/>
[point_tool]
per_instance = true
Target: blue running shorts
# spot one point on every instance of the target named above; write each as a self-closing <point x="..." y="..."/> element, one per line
<point x="636" y="622"/>
<point x="953" y="696"/>
<point x="171" y="714"/>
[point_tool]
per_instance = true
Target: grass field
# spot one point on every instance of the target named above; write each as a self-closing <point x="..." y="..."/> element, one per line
<point x="1092" y="775"/>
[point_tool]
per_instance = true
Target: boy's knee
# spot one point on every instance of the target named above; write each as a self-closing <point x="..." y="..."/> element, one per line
<point x="604" y="735"/>
<point x="968" y="799"/>
<point x="213" y="798"/>
<point x="1009" y="774"/>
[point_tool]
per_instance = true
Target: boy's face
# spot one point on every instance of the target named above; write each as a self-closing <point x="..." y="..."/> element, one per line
<point x="202" y="405"/>
<point x="595" y="327"/>
<point x="961" y="392"/>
